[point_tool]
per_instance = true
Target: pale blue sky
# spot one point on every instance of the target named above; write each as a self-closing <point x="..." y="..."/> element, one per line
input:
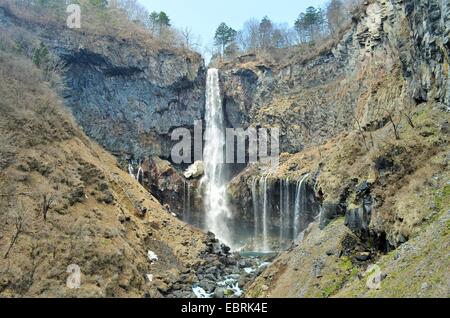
<point x="203" y="16"/>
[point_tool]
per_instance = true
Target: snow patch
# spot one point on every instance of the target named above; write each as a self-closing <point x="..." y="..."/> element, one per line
<point x="152" y="256"/>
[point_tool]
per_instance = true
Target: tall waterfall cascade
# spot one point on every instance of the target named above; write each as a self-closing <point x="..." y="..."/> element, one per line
<point x="265" y="216"/>
<point x="216" y="209"/>
<point x="277" y="216"/>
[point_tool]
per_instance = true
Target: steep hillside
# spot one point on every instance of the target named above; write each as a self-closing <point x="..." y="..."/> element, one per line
<point x="126" y="89"/>
<point x="65" y="201"/>
<point x="366" y="121"/>
<point x="387" y="206"/>
<point x="66" y="204"/>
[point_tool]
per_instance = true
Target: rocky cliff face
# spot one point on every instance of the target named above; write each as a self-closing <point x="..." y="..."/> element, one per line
<point x="347" y="99"/>
<point x="67" y="206"/>
<point x="127" y="95"/>
<point x="130" y="100"/>
<point x="394" y="53"/>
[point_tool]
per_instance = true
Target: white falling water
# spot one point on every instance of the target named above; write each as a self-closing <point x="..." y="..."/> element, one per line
<point x="138" y="175"/>
<point x="266" y="216"/>
<point x="282" y="207"/>
<point x="187" y="202"/>
<point x="291" y="209"/>
<point x="261" y="213"/>
<point x="217" y="212"/>
<point x="131" y="170"/>
<point x="255" y="212"/>
<point x="300" y="202"/>
<point x="285" y="206"/>
<point x="287" y="211"/>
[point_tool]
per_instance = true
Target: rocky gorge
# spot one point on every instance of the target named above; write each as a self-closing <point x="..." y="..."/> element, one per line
<point x="363" y="174"/>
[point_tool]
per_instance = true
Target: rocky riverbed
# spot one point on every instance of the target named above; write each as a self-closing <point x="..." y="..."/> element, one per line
<point x="223" y="274"/>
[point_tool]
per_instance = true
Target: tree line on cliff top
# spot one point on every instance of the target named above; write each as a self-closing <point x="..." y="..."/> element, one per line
<point x="311" y="27"/>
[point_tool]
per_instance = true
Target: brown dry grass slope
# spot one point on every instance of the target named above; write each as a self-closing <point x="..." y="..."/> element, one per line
<point x="412" y="203"/>
<point x="63" y="201"/>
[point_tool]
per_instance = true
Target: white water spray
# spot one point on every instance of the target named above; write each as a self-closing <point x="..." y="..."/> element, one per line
<point x="130" y="170"/>
<point x="285" y="206"/>
<point x="217" y="212"/>
<point x="139" y="174"/>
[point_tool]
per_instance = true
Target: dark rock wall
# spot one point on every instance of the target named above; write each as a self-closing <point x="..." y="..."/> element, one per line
<point x="132" y="107"/>
<point x="127" y="95"/>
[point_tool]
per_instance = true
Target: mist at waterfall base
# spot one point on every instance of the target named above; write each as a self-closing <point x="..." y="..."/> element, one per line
<point x="278" y="205"/>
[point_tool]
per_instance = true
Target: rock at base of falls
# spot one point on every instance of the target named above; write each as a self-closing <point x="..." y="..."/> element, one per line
<point x="197" y="169"/>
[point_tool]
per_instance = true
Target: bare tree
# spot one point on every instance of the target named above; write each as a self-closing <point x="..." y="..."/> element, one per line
<point x="336" y="15"/>
<point x="190" y="41"/>
<point x="394" y="116"/>
<point x="248" y="39"/>
<point x="187" y="36"/>
<point x="361" y="131"/>
<point x="46" y="204"/>
<point x="19" y="219"/>
<point x="134" y="11"/>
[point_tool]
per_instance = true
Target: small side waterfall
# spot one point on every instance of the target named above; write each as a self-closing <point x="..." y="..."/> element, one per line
<point x="285" y="207"/>
<point x="261" y="213"/>
<point x="266" y="217"/>
<point x="217" y="212"/>
<point x="131" y="170"/>
<point x="187" y="203"/>
<point x="300" y="205"/>
<point x="255" y="199"/>
<point x="282" y="208"/>
<point x="292" y="205"/>
<point x="139" y="176"/>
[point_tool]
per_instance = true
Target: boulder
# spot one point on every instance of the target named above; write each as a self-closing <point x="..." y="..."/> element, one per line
<point x="197" y="169"/>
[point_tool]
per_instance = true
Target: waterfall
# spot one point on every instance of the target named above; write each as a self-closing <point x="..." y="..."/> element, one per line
<point x="217" y="212"/>
<point x="300" y="205"/>
<point x="131" y="170"/>
<point x="255" y="201"/>
<point x="288" y="206"/>
<point x="261" y="213"/>
<point x="138" y="175"/>
<point x="265" y="217"/>
<point x="282" y="204"/>
<point x="292" y="206"/>
<point x="187" y="203"/>
<point x="285" y="206"/>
